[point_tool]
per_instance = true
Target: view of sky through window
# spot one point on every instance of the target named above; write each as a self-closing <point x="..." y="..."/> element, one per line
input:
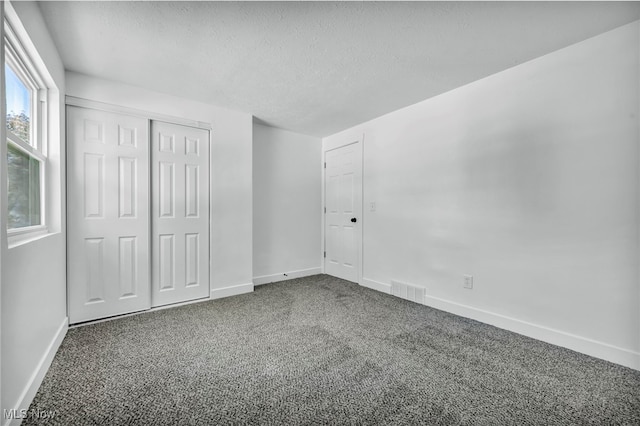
<point x="18" y="98"/>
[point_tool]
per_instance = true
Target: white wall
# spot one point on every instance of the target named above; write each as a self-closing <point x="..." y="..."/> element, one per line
<point x="34" y="273"/>
<point x="286" y="204"/>
<point x="231" y="168"/>
<point x="527" y="180"/>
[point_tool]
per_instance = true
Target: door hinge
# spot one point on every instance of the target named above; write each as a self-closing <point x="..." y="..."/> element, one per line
<point x="325" y="210"/>
<point x="325" y="164"/>
<point x="325" y="254"/>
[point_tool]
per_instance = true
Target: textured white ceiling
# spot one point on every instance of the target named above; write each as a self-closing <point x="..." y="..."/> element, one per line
<point x="316" y="68"/>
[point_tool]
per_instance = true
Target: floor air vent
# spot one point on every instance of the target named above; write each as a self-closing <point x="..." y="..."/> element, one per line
<point x="408" y="291"/>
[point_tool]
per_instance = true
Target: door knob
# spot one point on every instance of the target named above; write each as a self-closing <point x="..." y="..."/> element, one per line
<point x="354" y="220"/>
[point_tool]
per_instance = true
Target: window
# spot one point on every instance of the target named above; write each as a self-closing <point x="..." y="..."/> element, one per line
<point x="26" y="159"/>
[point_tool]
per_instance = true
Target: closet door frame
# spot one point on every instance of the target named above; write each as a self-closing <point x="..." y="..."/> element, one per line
<point x="151" y="116"/>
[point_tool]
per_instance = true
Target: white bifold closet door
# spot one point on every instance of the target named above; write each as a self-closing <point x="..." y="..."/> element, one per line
<point x="107" y="214"/>
<point x="180" y="213"/>
<point x="138" y="213"/>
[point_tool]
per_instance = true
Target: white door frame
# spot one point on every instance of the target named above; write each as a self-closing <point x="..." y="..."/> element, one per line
<point x="357" y="138"/>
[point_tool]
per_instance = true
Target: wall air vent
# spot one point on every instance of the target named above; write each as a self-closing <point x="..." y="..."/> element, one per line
<point x="408" y="291"/>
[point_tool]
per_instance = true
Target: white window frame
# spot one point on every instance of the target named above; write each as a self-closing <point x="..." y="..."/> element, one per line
<point x="21" y="64"/>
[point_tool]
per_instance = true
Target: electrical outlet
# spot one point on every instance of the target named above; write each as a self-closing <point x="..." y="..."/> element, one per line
<point x="468" y="281"/>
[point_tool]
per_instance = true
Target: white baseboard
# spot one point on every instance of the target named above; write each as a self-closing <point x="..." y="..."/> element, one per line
<point x="266" y="279"/>
<point x="376" y="285"/>
<point x="234" y="290"/>
<point x="556" y="337"/>
<point x="38" y="375"/>
<point x="576" y="343"/>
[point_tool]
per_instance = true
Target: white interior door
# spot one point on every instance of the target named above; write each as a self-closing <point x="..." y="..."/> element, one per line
<point x="180" y="213"/>
<point x="343" y="197"/>
<point x="108" y="214"/>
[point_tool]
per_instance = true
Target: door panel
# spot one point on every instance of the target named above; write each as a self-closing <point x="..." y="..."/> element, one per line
<point x="166" y="189"/>
<point x="342" y="200"/>
<point x="180" y="213"/>
<point x="92" y="187"/>
<point x="192" y="258"/>
<point x="108" y="214"/>
<point x="167" y="262"/>
<point x="128" y="255"/>
<point x="127" y="187"/>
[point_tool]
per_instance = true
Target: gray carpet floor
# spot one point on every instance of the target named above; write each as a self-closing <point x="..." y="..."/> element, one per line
<point x="320" y="350"/>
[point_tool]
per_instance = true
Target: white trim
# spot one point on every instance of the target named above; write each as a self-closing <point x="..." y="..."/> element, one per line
<point x="580" y="344"/>
<point x="25" y="147"/>
<point x="102" y="106"/>
<point x="638" y="218"/>
<point x="362" y="221"/>
<point x="284" y="276"/>
<point x="33" y="233"/>
<point x="38" y="375"/>
<point x="323" y="207"/>
<point x="376" y="285"/>
<point x="556" y="337"/>
<point x="234" y="290"/>
<point x="3" y="182"/>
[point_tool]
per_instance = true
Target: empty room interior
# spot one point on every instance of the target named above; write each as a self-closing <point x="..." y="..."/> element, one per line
<point x="320" y="213"/>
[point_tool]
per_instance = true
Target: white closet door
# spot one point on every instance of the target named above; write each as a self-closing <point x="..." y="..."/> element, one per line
<point x="108" y="214"/>
<point x="180" y="213"/>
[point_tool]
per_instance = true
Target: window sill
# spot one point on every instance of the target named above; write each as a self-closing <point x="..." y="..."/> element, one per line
<point x="21" y="238"/>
